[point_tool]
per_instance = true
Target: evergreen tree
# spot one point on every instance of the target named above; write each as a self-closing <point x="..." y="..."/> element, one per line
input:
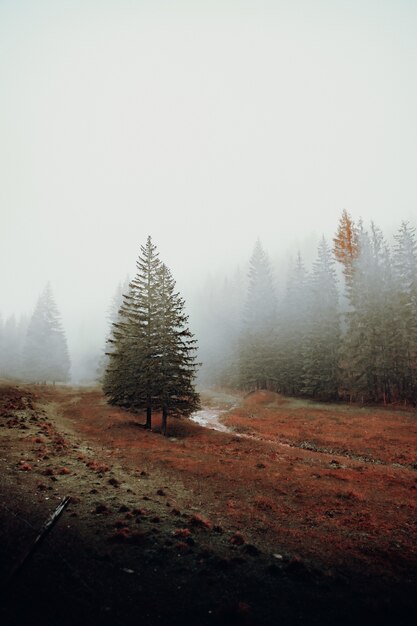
<point x="322" y="338"/>
<point x="112" y="316"/>
<point x="346" y="244"/>
<point x="150" y="359"/>
<point x="45" y="355"/>
<point x="130" y="378"/>
<point x="175" y="393"/>
<point x="293" y="325"/>
<point x="367" y="353"/>
<point x="22" y="329"/>
<point x="405" y="301"/>
<point x="219" y="319"/>
<point x="256" y="345"/>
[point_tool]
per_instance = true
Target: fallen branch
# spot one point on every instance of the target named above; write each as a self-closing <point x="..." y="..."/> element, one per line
<point x="50" y="522"/>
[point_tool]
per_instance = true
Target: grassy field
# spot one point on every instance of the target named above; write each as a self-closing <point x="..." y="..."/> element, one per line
<point x="303" y="513"/>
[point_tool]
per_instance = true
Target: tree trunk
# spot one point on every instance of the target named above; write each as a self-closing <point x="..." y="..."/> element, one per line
<point x="164" y="420"/>
<point x="148" y="417"/>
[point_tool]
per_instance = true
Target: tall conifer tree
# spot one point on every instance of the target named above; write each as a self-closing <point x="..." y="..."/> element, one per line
<point x="321" y="343"/>
<point x="293" y="325"/>
<point x="256" y="358"/>
<point x="405" y="302"/>
<point x="367" y="350"/>
<point x="130" y="378"/>
<point x="113" y="316"/>
<point x="152" y="351"/>
<point x="45" y="354"/>
<point x="346" y="244"/>
<point x="175" y="392"/>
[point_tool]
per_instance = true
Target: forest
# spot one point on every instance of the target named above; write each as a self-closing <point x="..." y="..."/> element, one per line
<point x="344" y="329"/>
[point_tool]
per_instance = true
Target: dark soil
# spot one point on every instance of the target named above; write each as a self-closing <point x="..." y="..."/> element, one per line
<point x="205" y="527"/>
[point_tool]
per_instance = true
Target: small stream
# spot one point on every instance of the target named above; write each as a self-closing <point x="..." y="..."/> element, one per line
<point x="209" y="418"/>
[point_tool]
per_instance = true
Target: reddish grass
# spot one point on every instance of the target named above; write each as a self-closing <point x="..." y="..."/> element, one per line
<point x="332" y="483"/>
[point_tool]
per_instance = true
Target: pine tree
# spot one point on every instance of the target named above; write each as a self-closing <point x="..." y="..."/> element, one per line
<point x="175" y="392"/>
<point x="257" y="341"/>
<point x="294" y="317"/>
<point x="112" y="316"/>
<point x="368" y="343"/>
<point x="322" y="336"/>
<point x="219" y="316"/>
<point x="22" y="329"/>
<point x="130" y="378"/>
<point x="151" y="365"/>
<point x="405" y="299"/>
<point x="346" y="244"/>
<point x="45" y="355"/>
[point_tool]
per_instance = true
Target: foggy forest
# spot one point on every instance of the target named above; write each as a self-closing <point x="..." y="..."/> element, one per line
<point x="344" y="328"/>
<point x="208" y="313"/>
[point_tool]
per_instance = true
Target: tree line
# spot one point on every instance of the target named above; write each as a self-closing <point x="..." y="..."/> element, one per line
<point x="346" y="329"/>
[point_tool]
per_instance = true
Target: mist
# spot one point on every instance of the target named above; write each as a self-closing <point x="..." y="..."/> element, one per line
<point x="204" y="126"/>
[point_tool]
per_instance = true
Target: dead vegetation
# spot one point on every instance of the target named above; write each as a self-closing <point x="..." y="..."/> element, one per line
<point x="246" y="519"/>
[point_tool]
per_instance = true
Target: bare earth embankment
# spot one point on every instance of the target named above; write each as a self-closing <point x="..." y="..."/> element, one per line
<point x="304" y="514"/>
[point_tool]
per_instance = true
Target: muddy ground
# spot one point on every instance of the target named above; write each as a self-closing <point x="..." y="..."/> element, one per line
<point x="304" y="514"/>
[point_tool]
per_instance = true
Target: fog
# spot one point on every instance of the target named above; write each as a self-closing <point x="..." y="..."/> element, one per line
<point x="206" y="125"/>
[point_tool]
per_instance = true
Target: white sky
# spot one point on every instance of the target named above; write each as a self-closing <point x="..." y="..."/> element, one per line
<point x="204" y="124"/>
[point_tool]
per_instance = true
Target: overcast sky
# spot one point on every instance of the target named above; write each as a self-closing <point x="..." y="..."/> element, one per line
<point x="204" y="124"/>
